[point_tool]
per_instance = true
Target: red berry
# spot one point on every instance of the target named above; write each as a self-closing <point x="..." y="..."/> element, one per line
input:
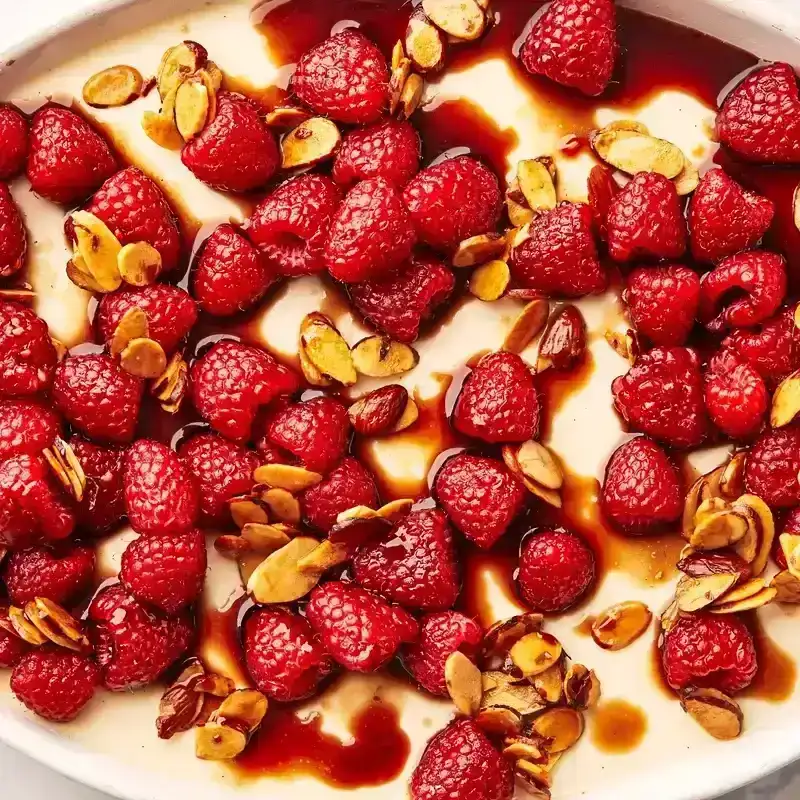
<point x="641" y="489"/>
<point x="236" y="152"/>
<point x="602" y="189"/>
<point x="27" y="354"/>
<point x="98" y="397"/>
<point x="453" y="200"/>
<point x="709" y="651"/>
<point x="480" y="496"/>
<point x="13" y="142"/>
<point x="63" y="574"/>
<point x="344" y="78"/>
<point x="12" y="648"/>
<point x="772" y="466"/>
<point x="735" y="394"/>
<point x="67" y="159"/>
<point x="662" y="395"/>
<point x="498" y="401"/>
<point x="103" y="504"/>
<point x="26" y="427"/>
<point x="13" y="237"/>
<point x="791" y="525"/>
<point x="284" y="656"/>
<point x="348" y="486"/>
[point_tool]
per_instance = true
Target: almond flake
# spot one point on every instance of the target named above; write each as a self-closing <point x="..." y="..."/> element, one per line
<point x="401" y="70"/>
<point x="160" y="127"/>
<point x="180" y="705"/>
<point x="527" y="326"/>
<point x="537" y="463"/>
<point x="764" y="525"/>
<point x="324" y="556"/>
<point x="245" y="510"/>
<point x="139" y="263"/>
<point x="717" y="713"/>
<point x="790" y="545"/>
<point x="285" y="476"/>
<point x="479" y="249"/>
<point x="177" y="64"/>
<point x="132" y="325"/>
<point x="461" y="19"/>
<point x="718" y="529"/>
<point x="277" y="578"/>
<point x="787" y="587"/>
<point x="287" y="117"/>
<point x="310" y="372"/>
<point x="113" y="87"/>
<point x="490" y="281"/>
<point x="409" y="416"/>
<point x="628" y="125"/>
<point x="537" y="184"/>
<point x="694" y="594"/>
<point x="550" y="684"/>
<point x="284" y="507"/>
<point x="562" y="726"/>
<point x="757" y="600"/>
<point x="227" y="731"/>
<point x="411" y="96"/>
<point x="519" y="215"/>
<point x="216" y="742"/>
<point x="380" y="357"/>
<point x="171" y="386"/>
<point x="581" y="687"/>
<point x="192" y="105"/>
<point x="550" y="496"/>
<point x="264" y="538"/>
<point x="463" y="680"/>
<point x="517" y="747"/>
<point x="731" y="479"/>
<point x="398" y="54"/>
<point x="315" y="140"/>
<point x="56" y="624"/>
<point x="99" y="249"/>
<point x="501" y="636"/>
<point x="535" y="653"/>
<point x="143" y="358"/>
<point x="744" y="591"/>
<point x="785" y="401"/>
<point x="232" y="547"/>
<point x="624" y="345"/>
<point x="499" y="721"/>
<point x="424" y="44"/>
<point x="520" y="696"/>
<point x="632" y="152"/>
<point x="326" y="349"/>
<point x="687" y="180"/>
<point x="621" y="625"/>
<point x="24" y="628"/>
<point x="67" y="468"/>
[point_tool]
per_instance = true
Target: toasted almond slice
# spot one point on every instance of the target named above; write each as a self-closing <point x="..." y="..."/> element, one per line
<point x="550" y="683"/>
<point x="66" y="466"/>
<point x="409" y="416"/>
<point x="688" y="179"/>
<point x="785" y="401"/>
<point x="550" y="496"/>
<point x="171" y="386"/>
<point x="527" y="326"/>
<point x="217" y="742"/>
<point x="286" y="476"/>
<point x="244" y="708"/>
<point x="499" y="721"/>
<point x="731" y="479"/>
<point x="315" y="140"/>
<point x="398" y="54"/>
<point x="628" y="125"/>
<point x="287" y="117"/>
<point x="533" y="774"/>
<point x="213" y="74"/>
<point x="139" y="263"/>
<point x="762" y="598"/>
<point x="283" y="505"/>
<point x="530" y="749"/>
<point x="56" y="624"/>
<point x="562" y="726"/>
<point x="790" y="545"/>
<point x="634" y="152"/>
<point x="99" y="249"/>
<point x="177" y="64"/>
<point x="380" y="357"/>
<point x="694" y="594"/>
<point x="742" y="592"/>
<point x="245" y="510"/>
<point x="461" y="19"/>
<point x="357" y="512"/>
<point x="718" y="529"/>
<point x="787" y="587"/>
<point x="324" y="556"/>
<point x="133" y="325"/>
<point x="326" y="349"/>
<point x="519" y="215"/>
<point x="24" y="628"/>
<point x="77" y="273"/>
<point x="537" y="463"/>
<point x="310" y="372"/>
<point x="621" y="625"/>
<point x="625" y="345"/>
<point x="277" y="578"/>
<point x="232" y="547"/>
<point x="537" y="185"/>
<point x="490" y="281"/>
<point x="581" y="687"/>
<point x="479" y="249"/>
<point x="143" y="358"/>
<point x="264" y="538"/>
<point x="192" y="106"/>
<point x="501" y="636"/>
<point x="397" y="81"/>
<point x="463" y="680"/>
<point x="765" y="530"/>
<point x="411" y="95"/>
<point x="535" y="652"/>
<point x="521" y="696"/>
<point x="396" y="509"/>
<point x="717" y="713"/>
<point x="747" y="547"/>
<point x="113" y="87"/>
<point x="424" y="44"/>
<point x="160" y="125"/>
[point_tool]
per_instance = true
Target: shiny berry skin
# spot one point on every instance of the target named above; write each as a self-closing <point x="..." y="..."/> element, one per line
<point x="26" y="427"/>
<point x="601" y="191"/>
<point x="641" y="490"/>
<point x="772" y="466"/>
<point x="736" y="395"/>
<point x="498" y="401"/>
<point x="349" y="485"/>
<point x="344" y="78"/>
<point x="103" y="504"/>
<point x="27" y="355"/>
<point x="13" y="237"/>
<point x="284" y="656"/>
<point x="453" y="200"/>
<point x="13" y="141"/>
<point x="63" y="574"/>
<point x="98" y="397"/>
<point x="480" y="496"/>
<point x="709" y="651"/>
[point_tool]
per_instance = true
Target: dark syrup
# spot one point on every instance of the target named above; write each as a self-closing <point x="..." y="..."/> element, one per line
<point x="617" y="726"/>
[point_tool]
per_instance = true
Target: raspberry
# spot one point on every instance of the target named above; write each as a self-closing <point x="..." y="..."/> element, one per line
<point x="498" y="401"/>
<point x="26" y="428"/>
<point x="662" y="395"/>
<point x="663" y="302"/>
<point x="400" y="305"/>
<point x="63" y="574"/>
<point x="641" y="489"/>
<point x="103" y="504"/>
<point x="232" y="380"/>
<point x="735" y="394"/>
<point x="480" y="497"/>
<point x="371" y="234"/>
<point x="709" y="651"/>
<point x="12" y="648"/>
<point x="361" y="631"/>
<point x="165" y="570"/>
<point x="389" y="149"/>
<point x="791" y="525"/>
<point x="574" y="44"/>
<point x="161" y="495"/>
<point x="13" y="142"/>
<point x="556" y="569"/>
<point x="348" y="486"/>
<point x="13" y="238"/>
<point x="440" y="635"/>
<point x="602" y="189"/>
<point x="760" y="119"/>
<point x="316" y="431"/>
<point x="559" y="257"/>
<point x="415" y="564"/>
<point x="55" y="684"/>
<point x="134" y="646"/>
<point x="772" y="466"/>
<point x="743" y="290"/>
<point x="290" y="226"/>
<point x="98" y="397"/>
<point x="724" y="218"/>
<point x="283" y="654"/>
<point x="344" y="78"/>
<point x="229" y="274"/>
<point x="453" y="200"/>
<point x="67" y="158"/>
<point x="460" y="762"/>
<point x="236" y="152"/>
<point x="27" y="355"/>
<point x="171" y="312"/>
<point x="223" y="470"/>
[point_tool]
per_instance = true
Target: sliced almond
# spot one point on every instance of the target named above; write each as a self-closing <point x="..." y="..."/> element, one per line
<point x="562" y="726"/>
<point x="501" y="636"/>
<point x="278" y="580"/>
<point x="244" y="708"/>
<point x="398" y="54"/>
<point x="621" y="625"/>
<point x="232" y="547"/>
<point x="287" y="117"/>
<point x="537" y="463"/>
<point x="310" y="372"/>
<point x="216" y="742"/>
<point x="411" y="96"/>
<point x="326" y="349"/>
<point x="284" y="507"/>
<point x="378" y="411"/>
<point x="461" y="19"/>
<point x="717" y="713"/>
<point x="521" y="696"/>
<point x="694" y="594"/>
<point x="143" y="358"/>
<point x="246" y="510"/>
<point x="790" y="545"/>
<point x="527" y="326"/>
<point x="731" y="479"/>
<point x="550" y="496"/>
<point x="132" y="325"/>
<point x="688" y="179"/>
<point x="704" y="487"/>
<point x="380" y="357"/>
<point x="409" y="416"/>
<point x="499" y="721"/>
<point x="765" y="524"/>
<point x="463" y="680"/>
<point x="490" y="281"/>
<point x="479" y="249"/>
<point x="628" y="125"/>
<point x="718" y="529"/>
<point x="633" y="152"/>
<point x="519" y="215"/>
<point x="744" y="591"/>
<point x="324" y="556"/>
<point x="315" y="140"/>
<point x="762" y="598"/>
<point x="526" y="747"/>
<point x="192" y="105"/>
<point x="98" y="248"/>
<point x="180" y="705"/>
<point x="787" y="587"/>
<point x="396" y="509"/>
<point x="264" y="539"/>
<point x="785" y="401"/>
<point x="286" y="476"/>
<point x="550" y="684"/>
<point x="171" y="386"/>
<point x="24" y="628"/>
<point x="160" y="127"/>
<point x="581" y="687"/>
<point x="57" y="625"/>
<point x="113" y="87"/>
<point x="535" y="776"/>
<point x="66" y="467"/>
<point x="535" y="653"/>
<point x="424" y="44"/>
<point x="625" y="345"/>
<point x="401" y="70"/>
<point x="537" y="185"/>
<point x="177" y="64"/>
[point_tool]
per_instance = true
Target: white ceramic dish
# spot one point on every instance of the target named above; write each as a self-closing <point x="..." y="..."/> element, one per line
<point x="114" y="747"/>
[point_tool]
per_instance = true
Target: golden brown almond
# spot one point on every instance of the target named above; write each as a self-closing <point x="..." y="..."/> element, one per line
<point x="501" y="636"/>
<point x="550" y="684"/>
<point x="743" y="591"/>
<point x="98" y="248"/>
<point x="785" y="401"/>
<point x="67" y="468"/>
<point x="411" y="96"/>
<point x="563" y="344"/>
<point x="628" y="125"/>
<point x="479" y="249"/>
<point x="526" y="747"/>
<point x="143" y="358"/>
<point x="160" y="127"/>
<point x="538" y="464"/>
<point x="401" y="70"/>
<point x="264" y="539"/>
<point x="527" y="326"/>
<point x="278" y="580"/>
<point x="625" y="345"/>
<point x="717" y="713"/>
<point x="177" y="64"/>
<point x="562" y="726"/>
<point x="633" y="152"/>
<point x="688" y="179"/>
<point x="245" y="510"/>
<point x="326" y="349"/>
<point x="395" y="510"/>
<point x="550" y="496"/>
<point x="409" y="416"/>
<point x="787" y="587"/>
<point x="519" y="215"/>
<point x="731" y="479"/>
<point x="537" y="184"/>
<point x="535" y="776"/>
<point x="694" y="594"/>
<point x="56" y="624"/>
<point x="764" y="523"/>
<point x="315" y="140"/>
<point x="192" y="107"/>
<point x="380" y="357"/>
<point x="244" y="708"/>
<point x="378" y="411"/>
<point x="180" y="705"/>
<point x="287" y="117"/>
<point x="757" y="600"/>
<point x="581" y="687"/>
<point x="463" y="681"/>
<point x="324" y="556"/>
<point x="621" y="625"/>
<point x="790" y="546"/>
<point x="310" y="372"/>
<point x="24" y="628"/>
<point x="232" y="546"/>
<point x="113" y="87"/>
<point x="705" y="487"/>
<point x="217" y="742"/>
<point x="535" y="652"/>
<point x="286" y="476"/>
<point x="424" y="44"/>
<point x="490" y="280"/>
<point x="132" y="325"/>
<point x="172" y="385"/>
<point x="718" y="529"/>
<point x="283" y="505"/>
<point x="461" y="19"/>
<point x="520" y="696"/>
<point x="499" y="721"/>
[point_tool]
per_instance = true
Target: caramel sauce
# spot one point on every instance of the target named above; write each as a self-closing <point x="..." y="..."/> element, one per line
<point x="777" y="672"/>
<point x="584" y="627"/>
<point x="617" y="727"/>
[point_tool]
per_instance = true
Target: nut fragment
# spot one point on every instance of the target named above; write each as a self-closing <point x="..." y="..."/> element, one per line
<point x="790" y="545"/>
<point x="731" y="479"/>
<point x="581" y="687"/>
<point x="501" y="636"/>
<point x="632" y="152"/>
<point x="180" y="705"/>
<point x="99" y="250"/>
<point x="694" y="594"/>
<point x="787" y="587"/>
<point x="785" y="401"/>
<point x="409" y="416"/>
<point x="312" y="141"/>
<point x="232" y="547"/>
<point x="132" y="325"/>
<point x="563" y="344"/>
<point x="378" y="411"/>
<point x="461" y="19"/>
<point x="535" y="653"/>
<point x="143" y="358"/>
<point x="283" y="505"/>
<point x="479" y="249"/>
<point x="192" y="106"/>
<point x="490" y="281"/>
<point x="763" y="523"/>
<point x="499" y="721"/>
<point x="278" y="580"/>
<point x="621" y="625"/>
<point x="286" y="117"/>
<point x="286" y="476"/>
<point x="718" y="529"/>
<point x="527" y="326"/>
<point x="380" y="357"/>
<point x="245" y="509"/>
<point x="411" y="95"/>
<point x="226" y="733"/>
<point x="424" y="44"/>
<point x="536" y="184"/>
<point x="160" y="127"/>
<point x="66" y="466"/>
<point x="139" y="263"/>
<point x="56" y="624"/>
<point x="326" y="349"/>
<point x="177" y="64"/>
<point x="172" y="385"/>
<point x="525" y="747"/>
<point x="24" y="628"/>
<point x="310" y="372"/>
<point x="550" y="684"/>
<point x="717" y="713"/>
<point x="401" y="69"/>
<point x="537" y="463"/>
<point x="687" y="180"/>
<point x="562" y="726"/>
<point x="749" y="603"/>
<point x="520" y="696"/>
<point x="624" y="345"/>
<point x="324" y="556"/>
<point x="463" y="680"/>
<point x="263" y="538"/>
<point x="113" y="87"/>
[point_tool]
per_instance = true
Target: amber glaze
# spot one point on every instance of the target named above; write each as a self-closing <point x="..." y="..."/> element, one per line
<point x="617" y="726"/>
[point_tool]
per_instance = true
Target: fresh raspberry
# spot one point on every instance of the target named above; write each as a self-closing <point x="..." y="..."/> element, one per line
<point x="237" y="151"/>
<point x="359" y="629"/>
<point x="316" y="431"/>
<point x="223" y="470"/>
<point x="229" y="274"/>
<point x="415" y="564"/>
<point x="480" y="496"/>
<point x="161" y="495"/>
<point x="344" y="78"/>
<point x="13" y="142"/>
<point x="453" y="200"/>
<point x="27" y="354"/>
<point x="735" y="394"/>
<point x="401" y="304"/>
<point x="12" y="648"/>
<point x="26" y="428"/>
<point x="371" y="234"/>
<point x="103" y="504"/>
<point x="98" y="397"/>
<point x="498" y="401"/>
<point x="134" y="646"/>
<point x="663" y="302"/>
<point x="662" y="395"/>
<point x="55" y="684"/>
<point x="760" y="119"/>
<point x="602" y="189"/>
<point x="232" y="380"/>
<point x="574" y="44"/>
<point x="284" y="656"/>
<point x="165" y="570"/>
<point x="13" y="237"/>
<point x="460" y="762"/>
<point x="348" y="486"/>
<point x="772" y="466"/>
<point x="709" y="651"/>
<point x="559" y="257"/>
<point x="290" y="226"/>
<point x="389" y="149"/>
<point x="641" y="489"/>
<point x="171" y="312"/>
<point x="63" y="574"/>
<point x="67" y="159"/>
<point x="724" y="218"/>
<point x="743" y="290"/>
<point x="646" y="221"/>
<point x="440" y="635"/>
